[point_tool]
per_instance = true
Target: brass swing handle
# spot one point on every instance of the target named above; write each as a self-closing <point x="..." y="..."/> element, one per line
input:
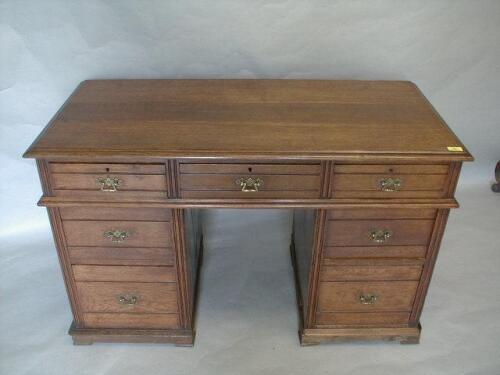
<point x="249" y="184"/>
<point x="390" y="184"/>
<point x="109" y="184"/>
<point x="368" y="299"/>
<point x="380" y="236"/>
<point x="127" y="300"/>
<point x="116" y="235"/>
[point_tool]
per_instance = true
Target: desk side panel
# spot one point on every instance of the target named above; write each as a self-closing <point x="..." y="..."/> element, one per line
<point x="194" y="253"/>
<point x="302" y="250"/>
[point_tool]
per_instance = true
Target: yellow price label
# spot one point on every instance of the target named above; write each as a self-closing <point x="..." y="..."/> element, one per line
<point x="455" y="148"/>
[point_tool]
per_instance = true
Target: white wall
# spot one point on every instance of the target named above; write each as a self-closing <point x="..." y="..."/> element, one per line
<point x="247" y="317"/>
<point x="450" y="49"/>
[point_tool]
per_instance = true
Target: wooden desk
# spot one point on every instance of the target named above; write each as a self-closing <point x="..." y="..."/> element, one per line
<point x="369" y="168"/>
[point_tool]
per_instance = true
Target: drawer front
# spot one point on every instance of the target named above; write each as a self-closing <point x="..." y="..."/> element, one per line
<point x="124" y="273"/>
<point x="392" y="168"/>
<point x="369" y="273"/>
<point x="249" y="180"/>
<point x="122" y="297"/>
<point x="117" y="320"/>
<point x="367" y="296"/>
<point x="117" y="233"/>
<point x="390" y="181"/>
<point x="101" y="168"/>
<point x="106" y="213"/>
<point x="108" y="181"/>
<point x="378" y="232"/>
<point x="91" y="182"/>
<point x="147" y="256"/>
<point x="381" y="213"/>
<point x="394" y="318"/>
<point x="76" y="221"/>
<point x="358" y="218"/>
<point x="340" y="252"/>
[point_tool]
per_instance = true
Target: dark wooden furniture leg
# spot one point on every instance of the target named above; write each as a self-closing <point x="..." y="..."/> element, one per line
<point x="496" y="186"/>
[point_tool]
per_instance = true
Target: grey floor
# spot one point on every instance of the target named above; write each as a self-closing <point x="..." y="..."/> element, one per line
<point x="247" y="318"/>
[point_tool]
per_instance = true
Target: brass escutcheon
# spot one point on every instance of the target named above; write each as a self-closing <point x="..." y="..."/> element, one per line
<point x="380" y="236"/>
<point x="367" y="299"/>
<point x="127" y="300"/>
<point x="390" y="184"/>
<point x="109" y="184"/>
<point x="116" y="235"/>
<point x="249" y="184"/>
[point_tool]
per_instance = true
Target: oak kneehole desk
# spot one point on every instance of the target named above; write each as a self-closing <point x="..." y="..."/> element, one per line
<point x="368" y="167"/>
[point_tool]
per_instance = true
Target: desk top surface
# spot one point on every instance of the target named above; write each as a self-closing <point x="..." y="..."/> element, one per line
<point x="247" y="118"/>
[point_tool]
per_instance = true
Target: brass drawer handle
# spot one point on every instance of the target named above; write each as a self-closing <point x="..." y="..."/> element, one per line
<point x="116" y="235"/>
<point x="368" y="299"/>
<point x="127" y="300"/>
<point x="390" y="184"/>
<point x="109" y="184"/>
<point x="380" y="236"/>
<point x="249" y="184"/>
